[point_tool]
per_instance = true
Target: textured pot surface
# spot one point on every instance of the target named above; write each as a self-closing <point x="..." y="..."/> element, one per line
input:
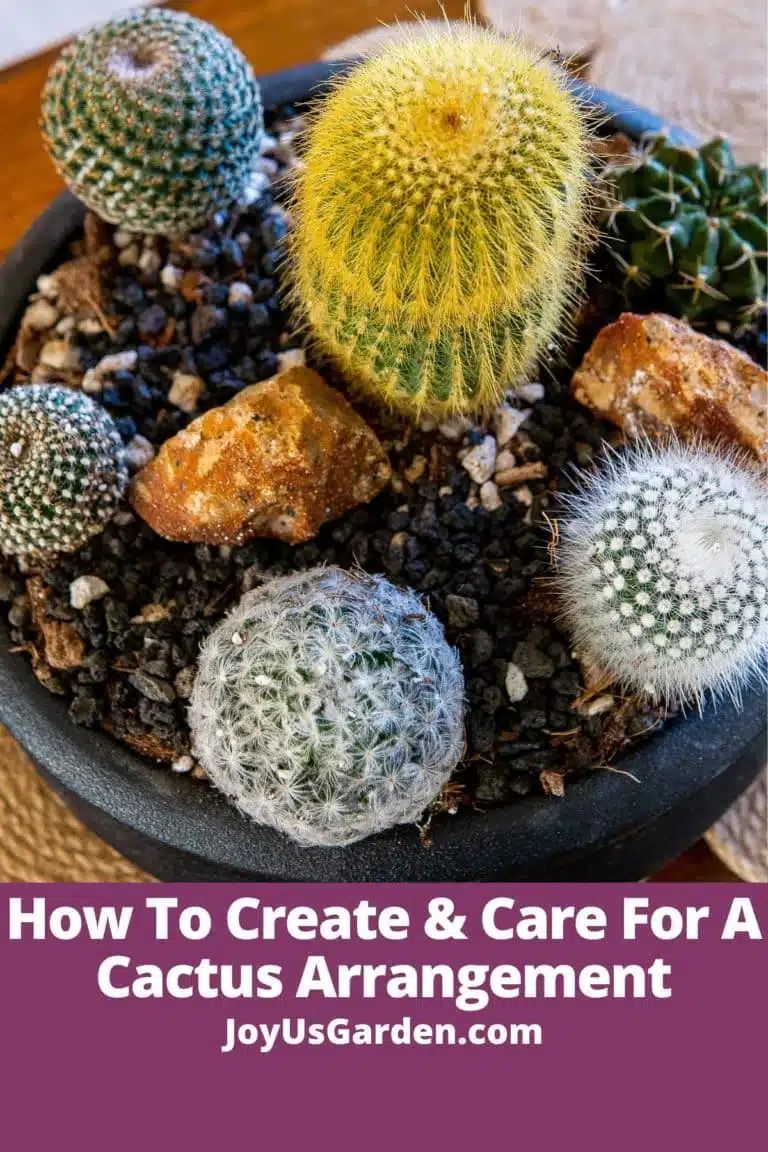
<point x="607" y="827"/>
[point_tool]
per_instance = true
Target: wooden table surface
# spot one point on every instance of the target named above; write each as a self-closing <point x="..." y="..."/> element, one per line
<point x="273" y="34"/>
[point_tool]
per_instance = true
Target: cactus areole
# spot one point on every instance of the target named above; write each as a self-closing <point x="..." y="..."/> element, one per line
<point x="440" y="219"/>
<point x="154" y="120"/>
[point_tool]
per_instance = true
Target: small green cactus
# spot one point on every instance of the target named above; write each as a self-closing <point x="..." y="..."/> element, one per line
<point x="690" y="223"/>
<point x="154" y="120"/>
<point x="440" y="219"/>
<point x="663" y="571"/>
<point x="329" y="705"/>
<point x="62" y="471"/>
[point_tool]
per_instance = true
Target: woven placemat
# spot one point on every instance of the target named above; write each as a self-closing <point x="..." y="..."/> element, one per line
<point x="40" y="839"/>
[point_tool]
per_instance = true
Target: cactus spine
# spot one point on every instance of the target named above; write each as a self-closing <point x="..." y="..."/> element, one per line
<point x="329" y="706"/>
<point x="663" y="570"/>
<point x="441" y="219"/>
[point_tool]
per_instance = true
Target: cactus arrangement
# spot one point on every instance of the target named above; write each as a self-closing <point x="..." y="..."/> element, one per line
<point x="329" y="705"/>
<point x="690" y="223"/>
<point x="62" y="472"/>
<point x="663" y="571"/>
<point x="440" y="219"/>
<point x="154" y="120"/>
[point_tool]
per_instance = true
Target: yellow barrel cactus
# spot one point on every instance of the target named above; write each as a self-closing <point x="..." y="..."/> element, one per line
<point x="440" y="219"/>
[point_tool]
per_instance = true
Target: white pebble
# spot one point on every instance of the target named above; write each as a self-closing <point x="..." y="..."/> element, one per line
<point x="40" y="316"/>
<point x="171" y="278"/>
<point x="90" y="326"/>
<point x="427" y="424"/>
<point x="150" y="261"/>
<point x="507" y="420"/>
<point x="92" y="383"/>
<point x="291" y="358"/>
<point x="244" y="240"/>
<point x="139" y="453"/>
<point x="185" y="391"/>
<point x="489" y="496"/>
<point x="129" y="256"/>
<point x="479" y="461"/>
<point x="122" y="239"/>
<point x="183" y="764"/>
<point x="60" y="354"/>
<point x="523" y="495"/>
<point x="240" y="294"/>
<point x="515" y="683"/>
<point x="530" y="392"/>
<point x="65" y="326"/>
<point x="85" y="589"/>
<point x="48" y="286"/>
<point x="454" y="428"/>
<point x="267" y="144"/>
<point x="258" y="183"/>
<point x="118" y="362"/>
<point x="504" y="460"/>
<point x="267" y="166"/>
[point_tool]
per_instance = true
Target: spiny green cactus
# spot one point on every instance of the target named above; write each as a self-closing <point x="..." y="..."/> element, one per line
<point x="154" y="120"/>
<point x="440" y="219"/>
<point x="690" y="222"/>
<point x="328" y="705"/>
<point x="62" y="471"/>
<point x="663" y="571"/>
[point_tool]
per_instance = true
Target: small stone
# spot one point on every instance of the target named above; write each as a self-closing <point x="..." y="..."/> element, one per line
<point x="505" y="460"/>
<point x="40" y="316"/>
<point x="257" y="185"/>
<point x="651" y="373"/>
<point x="152" y="614"/>
<point x="92" y="382"/>
<point x="185" y="681"/>
<point x="150" y="261"/>
<point x="291" y="358"/>
<point x="510" y="477"/>
<point x="523" y="495"/>
<point x="532" y="662"/>
<point x="183" y="764"/>
<point x="152" y="320"/>
<point x="129" y="257"/>
<point x="506" y="421"/>
<point x="48" y="286"/>
<point x="240" y="294"/>
<point x="454" y="428"/>
<point x="122" y="239"/>
<point x="463" y="611"/>
<point x="491" y="785"/>
<point x="531" y="393"/>
<point x="415" y="469"/>
<point x="64" y="646"/>
<point x="139" y="453"/>
<point x="61" y="355"/>
<point x="90" y="326"/>
<point x="185" y="391"/>
<point x="515" y="683"/>
<point x="265" y="464"/>
<point x="85" y="589"/>
<point x="171" y="278"/>
<point x="479" y="461"/>
<point x="66" y="326"/>
<point x="490" y="497"/>
<point x="153" y="687"/>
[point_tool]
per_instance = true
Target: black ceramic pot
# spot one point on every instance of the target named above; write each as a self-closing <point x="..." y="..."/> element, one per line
<point x="607" y="828"/>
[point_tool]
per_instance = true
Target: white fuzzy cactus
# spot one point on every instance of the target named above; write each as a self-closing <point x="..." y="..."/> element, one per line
<point x="663" y="571"/>
<point x="329" y="705"/>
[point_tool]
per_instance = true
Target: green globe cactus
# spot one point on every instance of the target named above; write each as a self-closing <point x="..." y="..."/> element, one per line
<point x="154" y="120"/>
<point x="329" y="705"/>
<point x="62" y="471"/>
<point x="440" y="219"/>
<point x="663" y="571"/>
<point x="690" y="223"/>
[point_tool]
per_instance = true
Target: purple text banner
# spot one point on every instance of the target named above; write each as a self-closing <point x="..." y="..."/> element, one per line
<point x="379" y="1016"/>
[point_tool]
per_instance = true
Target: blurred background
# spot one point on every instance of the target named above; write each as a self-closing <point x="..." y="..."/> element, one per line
<point x="697" y="62"/>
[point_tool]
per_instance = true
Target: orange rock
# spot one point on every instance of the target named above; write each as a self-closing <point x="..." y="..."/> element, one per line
<point x="649" y="373"/>
<point x="279" y="460"/>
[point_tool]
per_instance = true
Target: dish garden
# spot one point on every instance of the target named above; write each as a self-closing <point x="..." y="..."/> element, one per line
<point x="386" y="458"/>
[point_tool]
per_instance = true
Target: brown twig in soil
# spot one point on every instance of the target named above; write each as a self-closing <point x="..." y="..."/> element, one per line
<point x="616" y="771"/>
<point x="597" y="688"/>
<point x="101" y="315"/>
<point x="554" y="528"/>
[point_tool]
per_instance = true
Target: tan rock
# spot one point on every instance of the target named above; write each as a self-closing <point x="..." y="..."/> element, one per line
<point x="278" y="460"/>
<point x="648" y="373"/>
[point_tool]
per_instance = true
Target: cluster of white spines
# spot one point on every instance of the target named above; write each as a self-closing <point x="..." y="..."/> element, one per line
<point x="663" y="571"/>
<point x="329" y="705"/>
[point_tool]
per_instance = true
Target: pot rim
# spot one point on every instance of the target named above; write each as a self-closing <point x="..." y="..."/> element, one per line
<point x="601" y="809"/>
